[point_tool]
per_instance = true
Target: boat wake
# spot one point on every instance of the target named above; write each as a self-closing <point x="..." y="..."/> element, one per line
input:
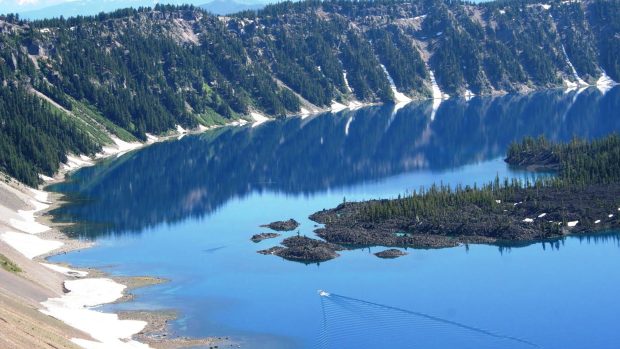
<point x="355" y="323"/>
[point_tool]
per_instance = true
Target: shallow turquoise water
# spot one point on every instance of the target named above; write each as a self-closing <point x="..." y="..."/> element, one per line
<point x="185" y="210"/>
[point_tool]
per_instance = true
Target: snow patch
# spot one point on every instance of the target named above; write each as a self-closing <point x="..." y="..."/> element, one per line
<point x="30" y="245"/>
<point x="240" y="122"/>
<point x="399" y="97"/>
<point x="605" y="83"/>
<point x="74" y="163"/>
<point x="26" y="222"/>
<point x="304" y="113"/>
<point x="75" y="309"/>
<point x="45" y="178"/>
<point x="346" y="82"/>
<point x="468" y="95"/>
<point x="28" y="225"/>
<point x="336" y="107"/>
<point x="258" y="118"/>
<point x="120" y="147"/>
<point x="355" y="105"/>
<point x="569" y="85"/>
<point x="437" y="94"/>
<point x="543" y="6"/>
<point x="65" y="271"/>
<point x="580" y="82"/>
<point x="151" y="138"/>
<point x="180" y="129"/>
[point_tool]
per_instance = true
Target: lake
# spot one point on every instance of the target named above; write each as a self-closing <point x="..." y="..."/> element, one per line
<point x="185" y="210"/>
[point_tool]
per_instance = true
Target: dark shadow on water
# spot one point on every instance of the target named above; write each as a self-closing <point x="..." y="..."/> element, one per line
<point x="195" y="176"/>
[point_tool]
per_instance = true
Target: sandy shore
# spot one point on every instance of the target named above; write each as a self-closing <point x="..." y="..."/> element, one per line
<point x="46" y="305"/>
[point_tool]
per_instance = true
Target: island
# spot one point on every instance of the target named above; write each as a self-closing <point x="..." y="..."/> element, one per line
<point x="304" y="249"/>
<point x="264" y="236"/>
<point x="390" y="253"/>
<point x="289" y="225"/>
<point x="577" y="192"/>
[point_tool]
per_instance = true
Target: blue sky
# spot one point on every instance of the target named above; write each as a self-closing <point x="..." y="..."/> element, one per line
<point x="18" y="6"/>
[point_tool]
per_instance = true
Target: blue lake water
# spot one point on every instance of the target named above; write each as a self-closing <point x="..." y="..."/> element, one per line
<point x="185" y="210"/>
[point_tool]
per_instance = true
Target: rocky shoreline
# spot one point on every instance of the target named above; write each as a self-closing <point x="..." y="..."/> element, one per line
<point x="74" y="281"/>
<point x="556" y="213"/>
<point x="583" y="197"/>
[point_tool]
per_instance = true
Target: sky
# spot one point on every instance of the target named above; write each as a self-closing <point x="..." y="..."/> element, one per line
<point x="20" y="6"/>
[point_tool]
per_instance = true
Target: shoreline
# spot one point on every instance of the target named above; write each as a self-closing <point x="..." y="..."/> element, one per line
<point x="32" y="234"/>
<point x="149" y="328"/>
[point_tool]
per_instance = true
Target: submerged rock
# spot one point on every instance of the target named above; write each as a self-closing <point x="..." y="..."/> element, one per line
<point x="264" y="236"/>
<point x="289" y="225"/>
<point x="391" y="253"/>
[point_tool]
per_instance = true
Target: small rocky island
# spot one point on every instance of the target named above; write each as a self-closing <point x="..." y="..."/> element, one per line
<point x="390" y="254"/>
<point x="304" y="249"/>
<point x="583" y="196"/>
<point x="264" y="236"/>
<point x="289" y="225"/>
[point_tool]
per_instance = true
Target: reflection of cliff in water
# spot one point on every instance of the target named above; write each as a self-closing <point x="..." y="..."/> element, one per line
<point x="170" y="181"/>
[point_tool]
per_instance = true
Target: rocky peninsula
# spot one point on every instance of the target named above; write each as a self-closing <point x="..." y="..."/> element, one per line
<point x="581" y="196"/>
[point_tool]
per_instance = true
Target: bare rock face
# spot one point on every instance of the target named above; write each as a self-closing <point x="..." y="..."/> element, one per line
<point x="289" y="225"/>
<point x="390" y="254"/>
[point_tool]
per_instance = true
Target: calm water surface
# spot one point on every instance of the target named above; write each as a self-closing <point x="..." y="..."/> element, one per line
<point x="185" y="210"/>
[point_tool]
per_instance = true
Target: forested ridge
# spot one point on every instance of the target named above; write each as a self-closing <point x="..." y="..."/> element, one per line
<point x="138" y="71"/>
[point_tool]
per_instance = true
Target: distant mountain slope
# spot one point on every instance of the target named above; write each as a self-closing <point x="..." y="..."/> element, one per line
<point x="94" y="7"/>
<point x="227" y="7"/>
<point x="83" y="8"/>
<point x="148" y="70"/>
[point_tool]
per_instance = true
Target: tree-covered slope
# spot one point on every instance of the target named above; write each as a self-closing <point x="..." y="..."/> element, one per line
<point x="139" y="71"/>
